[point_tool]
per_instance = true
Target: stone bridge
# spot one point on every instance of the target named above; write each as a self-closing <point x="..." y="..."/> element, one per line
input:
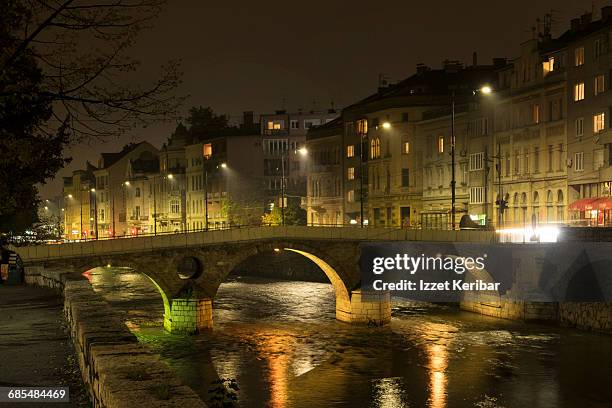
<point x="188" y="269"/>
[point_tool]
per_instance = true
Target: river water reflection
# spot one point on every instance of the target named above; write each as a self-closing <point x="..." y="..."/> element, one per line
<point x="282" y="344"/>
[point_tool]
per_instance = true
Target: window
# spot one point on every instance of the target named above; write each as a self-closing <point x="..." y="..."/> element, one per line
<point x="536" y="159"/>
<point x="350" y="196"/>
<point x="275" y="125"/>
<point x="560" y="161"/>
<point x="295" y="124"/>
<point x="404" y="116"/>
<point x="351" y="173"/>
<point x="579" y="161"/>
<point x="476" y="161"/>
<point x="406" y="149"/>
<point x="535" y="113"/>
<point x="579" y="127"/>
<point x="207" y="150"/>
<point x="597" y="48"/>
<point x="476" y="195"/>
<point x="405" y="177"/>
<point x="599" y="122"/>
<point x="549" y="65"/>
<point x="600" y="85"/>
<point x="362" y="126"/>
<point x="550" y="157"/>
<point x="375" y="148"/>
<point x="137" y="193"/>
<point x="579" y="56"/>
<point x="579" y="92"/>
<point x="175" y="207"/>
<point x="507" y="163"/>
<point x="526" y="160"/>
<point x="440" y="144"/>
<point x="517" y="162"/>
<point x="308" y="123"/>
<point x="350" y="151"/>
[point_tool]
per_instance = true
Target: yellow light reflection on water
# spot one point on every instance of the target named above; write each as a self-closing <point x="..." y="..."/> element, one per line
<point x="438" y="337"/>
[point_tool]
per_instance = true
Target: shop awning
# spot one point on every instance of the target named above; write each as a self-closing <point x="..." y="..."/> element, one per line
<point x="584" y="204"/>
<point x="587" y="204"/>
<point x="603" y="203"/>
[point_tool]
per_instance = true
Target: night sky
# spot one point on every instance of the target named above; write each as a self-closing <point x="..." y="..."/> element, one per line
<point x="268" y="55"/>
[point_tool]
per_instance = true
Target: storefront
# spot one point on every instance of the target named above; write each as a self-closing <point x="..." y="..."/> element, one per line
<point x="591" y="212"/>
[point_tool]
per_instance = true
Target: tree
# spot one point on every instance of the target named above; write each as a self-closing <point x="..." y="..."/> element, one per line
<point x="205" y="123"/>
<point x="65" y="76"/>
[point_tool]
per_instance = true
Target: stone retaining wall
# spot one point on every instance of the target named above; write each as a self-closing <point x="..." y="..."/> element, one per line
<point x="117" y="371"/>
<point x="587" y="315"/>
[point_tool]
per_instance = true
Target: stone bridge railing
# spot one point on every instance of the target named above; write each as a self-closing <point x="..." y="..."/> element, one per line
<point x="170" y="241"/>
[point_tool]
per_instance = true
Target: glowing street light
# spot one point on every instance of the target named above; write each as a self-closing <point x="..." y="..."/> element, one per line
<point x="170" y="176"/>
<point x="69" y="195"/>
<point x="386" y="125"/>
<point x="303" y="151"/>
<point x="224" y="165"/>
<point x="486" y="89"/>
<point x="127" y="183"/>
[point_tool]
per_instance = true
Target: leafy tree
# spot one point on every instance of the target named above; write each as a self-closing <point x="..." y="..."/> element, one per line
<point x="294" y="215"/>
<point x="205" y="123"/>
<point x="65" y="76"/>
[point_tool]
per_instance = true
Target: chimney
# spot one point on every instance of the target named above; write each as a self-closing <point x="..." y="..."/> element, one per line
<point x="421" y="68"/>
<point x="585" y="19"/>
<point x="574" y="25"/>
<point x="606" y="12"/>
<point x="452" y="66"/>
<point x="247" y="119"/>
<point x="499" y="62"/>
<point x="474" y="58"/>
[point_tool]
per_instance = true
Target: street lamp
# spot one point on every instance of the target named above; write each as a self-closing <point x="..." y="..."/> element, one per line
<point x="485" y="90"/>
<point x="386" y="125"/>
<point x="95" y="200"/>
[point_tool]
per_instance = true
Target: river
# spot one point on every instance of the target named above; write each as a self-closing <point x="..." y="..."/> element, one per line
<point x="280" y="341"/>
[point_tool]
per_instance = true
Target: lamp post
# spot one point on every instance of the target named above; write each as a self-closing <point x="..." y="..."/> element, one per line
<point x="285" y="154"/>
<point x="363" y="148"/>
<point x="485" y="90"/>
<point x="125" y="184"/>
<point x="95" y="200"/>
<point x="223" y="166"/>
<point x="81" y="206"/>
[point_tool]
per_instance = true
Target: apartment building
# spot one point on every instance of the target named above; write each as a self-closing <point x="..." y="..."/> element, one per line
<point x="588" y="53"/>
<point x="389" y="130"/>
<point x="111" y="189"/>
<point x="225" y="182"/>
<point x="531" y="137"/>
<point x="323" y="202"/>
<point x="79" y="204"/>
<point x="283" y="134"/>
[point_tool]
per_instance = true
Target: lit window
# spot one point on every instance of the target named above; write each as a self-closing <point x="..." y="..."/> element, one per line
<point x="579" y="161"/>
<point x="600" y="85"/>
<point x="579" y="91"/>
<point x="406" y="147"/>
<point x="549" y="66"/>
<point x="440" y="144"/>
<point x="362" y="126"/>
<point x="375" y="148"/>
<point x="350" y="151"/>
<point x="579" y="127"/>
<point x="350" y="196"/>
<point x="275" y="124"/>
<point x="351" y="173"/>
<point x="579" y="56"/>
<point x="207" y="150"/>
<point x="599" y="122"/>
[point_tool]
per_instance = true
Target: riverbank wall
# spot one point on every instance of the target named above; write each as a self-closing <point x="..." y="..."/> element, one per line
<point x="117" y="371"/>
<point x="591" y="316"/>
